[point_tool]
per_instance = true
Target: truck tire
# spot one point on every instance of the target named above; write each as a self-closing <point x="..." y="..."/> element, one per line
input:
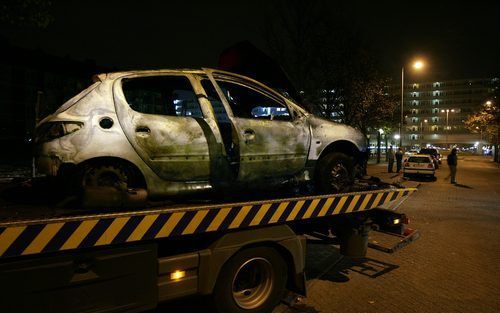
<point x="252" y="281"/>
<point x="335" y="173"/>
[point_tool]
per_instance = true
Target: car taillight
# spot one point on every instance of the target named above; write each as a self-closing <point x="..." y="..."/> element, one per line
<point x="407" y="164"/>
<point x="53" y="130"/>
<point x="430" y="165"/>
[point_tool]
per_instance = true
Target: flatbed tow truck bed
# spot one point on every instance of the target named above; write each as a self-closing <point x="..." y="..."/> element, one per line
<point x="29" y="236"/>
<point x="67" y="261"/>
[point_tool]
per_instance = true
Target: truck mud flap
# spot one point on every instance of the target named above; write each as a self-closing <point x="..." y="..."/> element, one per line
<point x="391" y="242"/>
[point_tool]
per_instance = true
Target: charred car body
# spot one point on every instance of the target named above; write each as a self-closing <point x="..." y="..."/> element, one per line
<point x="176" y="132"/>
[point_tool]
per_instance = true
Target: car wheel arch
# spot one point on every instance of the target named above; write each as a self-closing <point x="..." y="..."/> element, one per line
<point x="138" y="177"/>
<point x="342" y="146"/>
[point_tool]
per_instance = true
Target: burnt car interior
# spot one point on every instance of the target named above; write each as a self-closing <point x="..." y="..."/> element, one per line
<point x="249" y="103"/>
<point x="164" y="95"/>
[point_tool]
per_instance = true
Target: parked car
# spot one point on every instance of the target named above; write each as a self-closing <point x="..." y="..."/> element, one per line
<point x="410" y="152"/>
<point x="176" y="132"/>
<point x="434" y="153"/>
<point x="419" y="165"/>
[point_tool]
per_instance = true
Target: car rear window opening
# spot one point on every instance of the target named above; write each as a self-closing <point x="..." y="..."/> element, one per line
<point x="419" y="160"/>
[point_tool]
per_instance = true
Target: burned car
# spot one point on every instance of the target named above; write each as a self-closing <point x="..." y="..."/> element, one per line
<point x="176" y="132"/>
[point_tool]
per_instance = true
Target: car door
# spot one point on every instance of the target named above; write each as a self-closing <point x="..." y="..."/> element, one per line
<point x="272" y="142"/>
<point x="161" y="117"/>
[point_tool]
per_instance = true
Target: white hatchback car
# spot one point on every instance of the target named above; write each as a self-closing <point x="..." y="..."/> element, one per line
<point x="419" y="165"/>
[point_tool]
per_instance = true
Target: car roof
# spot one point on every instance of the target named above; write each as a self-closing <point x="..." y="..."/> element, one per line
<point x="116" y="75"/>
<point x="420" y="155"/>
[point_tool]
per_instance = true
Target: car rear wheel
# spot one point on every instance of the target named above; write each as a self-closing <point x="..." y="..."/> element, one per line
<point x="335" y="173"/>
<point x="105" y="175"/>
<point x="108" y="184"/>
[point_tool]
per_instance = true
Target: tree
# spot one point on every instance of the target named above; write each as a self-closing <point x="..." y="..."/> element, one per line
<point x="35" y="13"/>
<point x="330" y="64"/>
<point x="487" y="120"/>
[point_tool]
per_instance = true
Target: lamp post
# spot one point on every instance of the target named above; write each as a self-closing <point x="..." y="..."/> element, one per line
<point x="480" y="145"/>
<point x="402" y="102"/>
<point x="379" y="139"/>
<point x="416" y="65"/>
<point x="447" y="112"/>
<point x="481" y="133"/>
<point x="422" y="132"/>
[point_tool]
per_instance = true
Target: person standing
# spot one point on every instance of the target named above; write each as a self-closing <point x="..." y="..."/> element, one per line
<point x="452" y="163"/>
<point x="399" y="159"/>
<point x="390" y="159"/>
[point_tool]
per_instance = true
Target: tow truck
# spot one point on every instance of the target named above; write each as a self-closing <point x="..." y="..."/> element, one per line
<point x="246" y="255"/>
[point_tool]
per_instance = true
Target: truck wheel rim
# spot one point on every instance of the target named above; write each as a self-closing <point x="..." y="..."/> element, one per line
<point x="253" y="283"/>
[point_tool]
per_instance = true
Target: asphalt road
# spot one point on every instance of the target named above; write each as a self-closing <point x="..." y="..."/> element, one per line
<point x="453" y="267"/>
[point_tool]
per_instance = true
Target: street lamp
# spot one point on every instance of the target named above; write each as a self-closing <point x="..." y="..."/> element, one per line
<point x="480" y="144"/>
<point x="422" y="131"/>
<point x="447" y="112"/>
<point x="379" y="139"/>
<point x="481" y="132"/>
<point x="417" y="65"/>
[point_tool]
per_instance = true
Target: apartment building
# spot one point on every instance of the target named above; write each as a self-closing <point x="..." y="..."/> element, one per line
<point x="435" y="111"/>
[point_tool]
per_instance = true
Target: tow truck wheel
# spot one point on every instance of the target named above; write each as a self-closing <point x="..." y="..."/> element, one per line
<point x="335" y="173"/>
<point x="252" y="281"/>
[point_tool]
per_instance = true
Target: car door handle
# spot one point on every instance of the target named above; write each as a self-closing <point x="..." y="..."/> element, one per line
<point x="249" y="135"/>
<point x="143" y="129"/>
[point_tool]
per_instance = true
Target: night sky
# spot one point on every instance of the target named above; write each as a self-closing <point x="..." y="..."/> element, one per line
<point x="457" y="40"/>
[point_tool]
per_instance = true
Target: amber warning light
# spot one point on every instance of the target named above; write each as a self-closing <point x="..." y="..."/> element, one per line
<point x="177" y="275"/>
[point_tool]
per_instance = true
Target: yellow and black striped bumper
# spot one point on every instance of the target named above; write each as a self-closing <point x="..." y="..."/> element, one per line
<point x="61" y="234"/>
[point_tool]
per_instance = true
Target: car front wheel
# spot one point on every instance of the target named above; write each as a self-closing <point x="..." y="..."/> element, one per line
<point x="335" y="173"/>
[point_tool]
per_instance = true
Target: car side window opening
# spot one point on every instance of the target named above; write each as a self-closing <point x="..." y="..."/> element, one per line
<point x="249" y="103"/>
<point x="162" y="95"/>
